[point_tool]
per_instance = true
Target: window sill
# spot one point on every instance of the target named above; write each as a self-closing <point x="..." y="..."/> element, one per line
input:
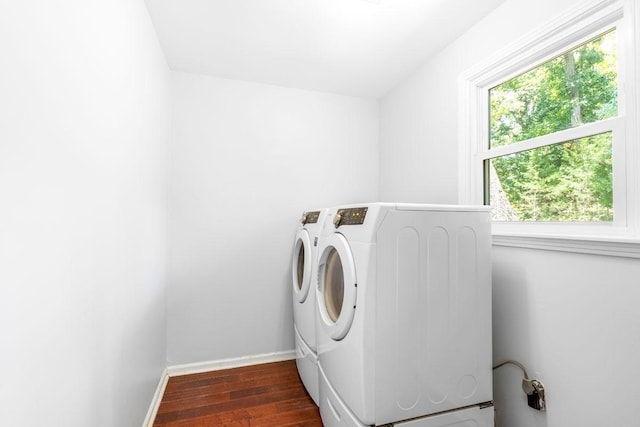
<point x="600" y="245"/>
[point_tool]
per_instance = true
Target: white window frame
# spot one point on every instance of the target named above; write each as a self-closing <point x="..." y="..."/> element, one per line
<point x="622" y="236"/>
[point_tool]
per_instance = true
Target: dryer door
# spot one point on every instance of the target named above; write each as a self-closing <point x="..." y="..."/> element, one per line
<point x="301" y="266"/>
<point x="336" y="286"/>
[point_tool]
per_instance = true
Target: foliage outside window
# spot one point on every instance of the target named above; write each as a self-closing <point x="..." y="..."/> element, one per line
<point x="564" y="176"/>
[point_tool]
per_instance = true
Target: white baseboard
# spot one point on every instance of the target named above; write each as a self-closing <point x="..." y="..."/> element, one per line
<point x="216" y="365"/>
<point x="157" y="398"/>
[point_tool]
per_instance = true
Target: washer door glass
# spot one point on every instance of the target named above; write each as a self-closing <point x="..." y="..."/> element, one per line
<point x="333" y="285"/>
<point x="336" y="293"/>
<point x="301" y="266"/>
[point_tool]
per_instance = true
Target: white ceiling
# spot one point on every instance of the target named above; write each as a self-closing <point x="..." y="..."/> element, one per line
<point x="352" y="47"/>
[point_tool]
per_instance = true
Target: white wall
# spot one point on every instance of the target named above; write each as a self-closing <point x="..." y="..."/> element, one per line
<point x="418" y="137"/>
<point x="570" y="318"/>
<point x="573" y="321"/>
<point x="84" y="128"/>
<point x="247" y="159"/>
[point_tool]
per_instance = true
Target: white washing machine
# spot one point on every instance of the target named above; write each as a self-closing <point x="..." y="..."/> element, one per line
<point x="404" y="316"/>
<point x="304" y="270"/>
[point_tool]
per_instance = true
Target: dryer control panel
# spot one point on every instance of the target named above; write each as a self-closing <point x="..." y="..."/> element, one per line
<point x="349" y="216"/>
<point x="310" y="217"/>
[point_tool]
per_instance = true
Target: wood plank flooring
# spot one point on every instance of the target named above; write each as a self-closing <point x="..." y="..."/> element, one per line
<point x="267" y="395"/>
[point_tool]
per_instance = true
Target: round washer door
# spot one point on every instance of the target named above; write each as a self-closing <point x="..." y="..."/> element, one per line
<point x="301" y="266"/>
<point x="336" y="295"/>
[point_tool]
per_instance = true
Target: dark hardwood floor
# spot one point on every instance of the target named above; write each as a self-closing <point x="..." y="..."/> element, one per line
<point x="260" y="395"/>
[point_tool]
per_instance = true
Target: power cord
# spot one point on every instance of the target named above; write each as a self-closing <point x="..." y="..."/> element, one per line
<point x="513" y="362"/>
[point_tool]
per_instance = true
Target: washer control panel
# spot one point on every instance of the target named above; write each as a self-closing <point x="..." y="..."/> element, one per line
<point x="310" y="217"/>
<point x="349" y="216"/>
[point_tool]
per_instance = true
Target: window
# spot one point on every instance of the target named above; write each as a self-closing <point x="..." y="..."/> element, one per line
<point x="547" y="131"/>
<point x="564" y="177"/>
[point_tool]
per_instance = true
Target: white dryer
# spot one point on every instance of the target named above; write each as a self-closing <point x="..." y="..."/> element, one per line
<point x="304" y="270"/>
<point x="404" y="316"/>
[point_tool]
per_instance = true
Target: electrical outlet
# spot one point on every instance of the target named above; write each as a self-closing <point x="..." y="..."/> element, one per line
<point x="534" y="390"/>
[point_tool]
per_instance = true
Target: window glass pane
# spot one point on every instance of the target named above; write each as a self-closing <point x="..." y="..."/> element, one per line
<point x="574" y="88"/>
<point x="570" y="181"/>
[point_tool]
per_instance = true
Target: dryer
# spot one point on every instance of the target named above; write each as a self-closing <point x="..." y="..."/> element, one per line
<point x="404" y="315"/>
<point x="304" y="269"/>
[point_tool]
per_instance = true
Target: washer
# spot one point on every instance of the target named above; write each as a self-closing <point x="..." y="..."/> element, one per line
<point x="404" y="315"/>
<point x="304" y="270"/>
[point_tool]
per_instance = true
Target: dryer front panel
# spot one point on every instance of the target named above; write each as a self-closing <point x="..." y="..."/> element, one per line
<point x="337" y="286"/>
